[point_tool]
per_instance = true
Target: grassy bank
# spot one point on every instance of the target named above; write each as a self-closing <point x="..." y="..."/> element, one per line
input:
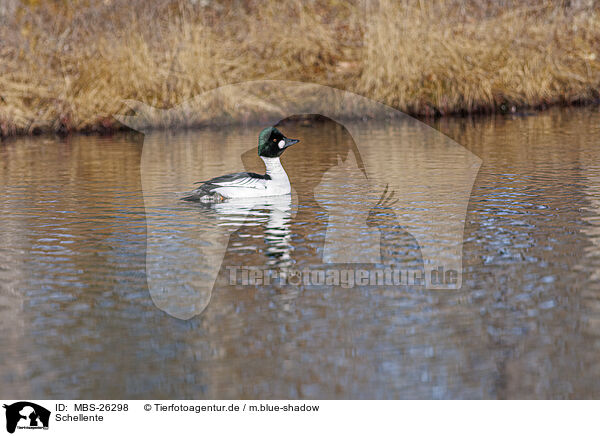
<point x="68" y="65"/>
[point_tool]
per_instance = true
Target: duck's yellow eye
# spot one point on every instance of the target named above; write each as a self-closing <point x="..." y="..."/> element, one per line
<point x="274" y="139"/>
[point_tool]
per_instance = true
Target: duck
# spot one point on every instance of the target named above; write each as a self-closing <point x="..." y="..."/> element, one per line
<point x="271" y="145"/>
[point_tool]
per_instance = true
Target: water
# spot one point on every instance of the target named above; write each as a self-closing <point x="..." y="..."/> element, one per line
<point x="111" y="287"/>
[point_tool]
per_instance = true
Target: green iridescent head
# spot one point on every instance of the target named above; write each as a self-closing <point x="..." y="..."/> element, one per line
<point x="272" y="143"/>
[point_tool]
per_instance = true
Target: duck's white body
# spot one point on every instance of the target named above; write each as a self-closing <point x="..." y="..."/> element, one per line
<point x="246" y="185"/>
<point x="276" y="182"/>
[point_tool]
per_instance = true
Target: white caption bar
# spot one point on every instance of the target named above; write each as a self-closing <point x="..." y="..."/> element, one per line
<point x="162" y="417"/>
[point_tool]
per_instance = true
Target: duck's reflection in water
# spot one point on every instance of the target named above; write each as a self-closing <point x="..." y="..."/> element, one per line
<point x="271" y="213"/>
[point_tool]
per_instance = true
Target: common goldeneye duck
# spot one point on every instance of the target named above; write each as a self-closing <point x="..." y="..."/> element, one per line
<point x="271" y="145"/>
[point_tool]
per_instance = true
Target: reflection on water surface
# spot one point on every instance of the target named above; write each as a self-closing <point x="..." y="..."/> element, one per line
<point x="87" y="230"/>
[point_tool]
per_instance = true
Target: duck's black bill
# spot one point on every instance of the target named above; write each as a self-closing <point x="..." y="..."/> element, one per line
<point x="289" y="142"/>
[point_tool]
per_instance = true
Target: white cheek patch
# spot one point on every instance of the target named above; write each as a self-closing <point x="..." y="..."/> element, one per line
<point x="281" y="143"/>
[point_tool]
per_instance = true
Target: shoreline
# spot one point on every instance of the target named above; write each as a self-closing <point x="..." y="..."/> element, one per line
<point x="119" y="128"/>
<point x="68" y="69"/>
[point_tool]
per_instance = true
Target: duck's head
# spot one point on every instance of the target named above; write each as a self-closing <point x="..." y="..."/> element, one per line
<point x="272" y="143"/>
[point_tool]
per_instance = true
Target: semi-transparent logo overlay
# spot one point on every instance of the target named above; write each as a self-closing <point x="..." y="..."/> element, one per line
<point x="394" y="195"/>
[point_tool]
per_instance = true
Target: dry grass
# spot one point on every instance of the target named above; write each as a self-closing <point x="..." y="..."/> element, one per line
<point x="447" y="60"/>
<point x="68" y="65"/>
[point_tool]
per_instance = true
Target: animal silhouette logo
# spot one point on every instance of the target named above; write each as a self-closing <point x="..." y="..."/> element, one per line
<point x="411" y="206"/>
<point x="26" y="415"/>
